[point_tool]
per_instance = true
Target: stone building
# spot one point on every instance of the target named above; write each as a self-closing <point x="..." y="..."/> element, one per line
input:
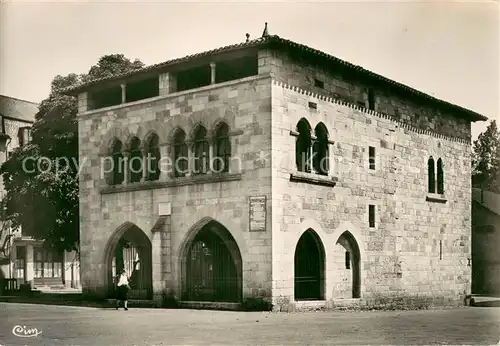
<point x="485" y="242"/>
<point x="23" y="260"/>
<point x="332" y="184"/>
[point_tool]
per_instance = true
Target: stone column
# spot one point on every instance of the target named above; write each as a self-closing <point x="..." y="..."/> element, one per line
<point x="126" y="168"/>
<point x="145" y="165"/>
<point x="83" y="102"/>
<point x="190" y="158"/>
<point x="124" y="93"/>
<point x="162" y="253"/>
<point x="167" y="83"/>
<point x="30" y="265"/>
<point x="210" y="156"/>
<point x="212" y="73"/>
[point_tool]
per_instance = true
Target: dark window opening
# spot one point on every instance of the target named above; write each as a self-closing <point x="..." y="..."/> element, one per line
<point x="371" y="154"/>
<point x="135" y="161"/>
<point x="321" y="158"/>
<point x="431" y="175"/>
<point x="222" y="149"/>
<point x="24" y="136"/>
<point x="106" y="98"/>
<point x="347" y="260"/>
<point x="180" y="157"/>
<point x="371" y="99"/>
<point x="194" y="78"/>
<point x="440" y="177"/>
<point x="118" y="169"/>
<point x="236" y="69"/>
<point x="319" y="83"/>
<point x="153" y="157"/>
<point x="143" y="89"/>
<point x="313" y="105"/>
<point x="201" y="151"/>
<point x="303" y="147"/>
<point x="371" y="215"/>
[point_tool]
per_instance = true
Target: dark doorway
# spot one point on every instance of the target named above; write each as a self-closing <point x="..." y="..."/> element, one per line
<point x="309" y="267"/>
<point x="212" y="266"/>
<point x="352" y="264"/>
<point x="132" y="252"/>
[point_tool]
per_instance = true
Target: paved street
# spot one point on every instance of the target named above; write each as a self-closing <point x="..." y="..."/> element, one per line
<point x="92" y="326"/>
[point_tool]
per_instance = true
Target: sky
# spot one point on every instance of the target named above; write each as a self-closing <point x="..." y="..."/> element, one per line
<point x="446" y="49"/>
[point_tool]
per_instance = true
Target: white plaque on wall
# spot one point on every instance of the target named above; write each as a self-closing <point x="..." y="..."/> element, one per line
<point x="164" y="209"/>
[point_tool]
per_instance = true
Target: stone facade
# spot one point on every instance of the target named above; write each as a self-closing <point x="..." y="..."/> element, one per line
<point x="400" y="256"/>
<point x="246" y="107"/>
<point x="418" y="248"/>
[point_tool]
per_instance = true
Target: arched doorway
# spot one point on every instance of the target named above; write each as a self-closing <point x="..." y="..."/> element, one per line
<point x="211" y="266"/>
<point x="349" y="267"/>
<point x="130" y="249"/>
<point x="309" y="267"/>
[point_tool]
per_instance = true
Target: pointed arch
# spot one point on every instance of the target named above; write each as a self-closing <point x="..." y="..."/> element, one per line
<point x="309" y="268"/>
<point x="200" y="150"/>
<point x="222" y="148"/>
<point x="152" y="156"/>
<point x="431" y="175"/>
<point x="179" y="153"/>
<point x="320" y="149"/>
<point x="303" y="146"/>
<point x="129" y="248"/>
<point x="211" y="264"/>
<point x="352" y="254"/>
<point x="440" y="176"/>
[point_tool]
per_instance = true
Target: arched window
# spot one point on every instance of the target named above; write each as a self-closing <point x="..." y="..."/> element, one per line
<point x="320" y="149"/>
<point x="440" y="177"/>
<point x="222" y="150"/>
<point x="201" y="151"/>
<point x="135" y="160"/>
<point x="118" y="168"/>
<point x="303" y="146"/>
<point x="180" y="154"/>
<point x="153" y="157"/>
<point x="431" y="175"/>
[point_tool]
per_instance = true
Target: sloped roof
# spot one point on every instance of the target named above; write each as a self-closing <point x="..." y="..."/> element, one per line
<point x="13" y="108"/>
<point x="309" y="53"/>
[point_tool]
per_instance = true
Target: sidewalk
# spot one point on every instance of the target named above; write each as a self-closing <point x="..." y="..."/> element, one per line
<point x="479" y="300"/>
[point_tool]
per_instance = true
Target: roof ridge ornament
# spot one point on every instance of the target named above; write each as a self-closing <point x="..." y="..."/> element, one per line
<point x="265" y="33"/>
<point x="248" y="37"/>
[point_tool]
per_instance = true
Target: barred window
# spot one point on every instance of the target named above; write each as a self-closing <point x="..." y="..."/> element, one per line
<point x="180" y="154"/>
<point x="222" y="149"/>
<point x="201" y="151"/>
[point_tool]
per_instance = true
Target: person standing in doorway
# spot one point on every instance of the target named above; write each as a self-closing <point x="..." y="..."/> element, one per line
<point x="122" y="290"/>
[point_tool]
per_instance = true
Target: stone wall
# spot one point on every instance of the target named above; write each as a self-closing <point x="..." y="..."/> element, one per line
<point x="419" y="113"/>
<point x="246" y="107"/>
<point x="400" y="256"/>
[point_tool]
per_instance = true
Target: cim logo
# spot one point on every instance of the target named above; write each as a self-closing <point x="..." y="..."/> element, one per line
<point x="23" y="332"/>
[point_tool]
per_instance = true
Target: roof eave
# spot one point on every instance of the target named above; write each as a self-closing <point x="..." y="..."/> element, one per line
<point x="75" y="90"/>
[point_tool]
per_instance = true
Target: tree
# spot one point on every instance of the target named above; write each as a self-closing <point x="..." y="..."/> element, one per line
<point x="486" y="159"/>
<point x="41" y="178"/>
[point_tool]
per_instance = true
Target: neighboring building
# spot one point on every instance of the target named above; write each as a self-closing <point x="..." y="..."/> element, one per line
<point x="24" y="260"/>
<point x="387" y="218"/>
<point x="485" y="242"/>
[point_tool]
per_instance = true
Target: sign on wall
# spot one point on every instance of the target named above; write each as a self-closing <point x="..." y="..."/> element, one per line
<point x="164" y="209"/>
<point x="258" y="213"/>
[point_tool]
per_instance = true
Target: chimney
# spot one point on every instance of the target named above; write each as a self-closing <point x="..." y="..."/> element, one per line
<point x="265" y="33"/>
